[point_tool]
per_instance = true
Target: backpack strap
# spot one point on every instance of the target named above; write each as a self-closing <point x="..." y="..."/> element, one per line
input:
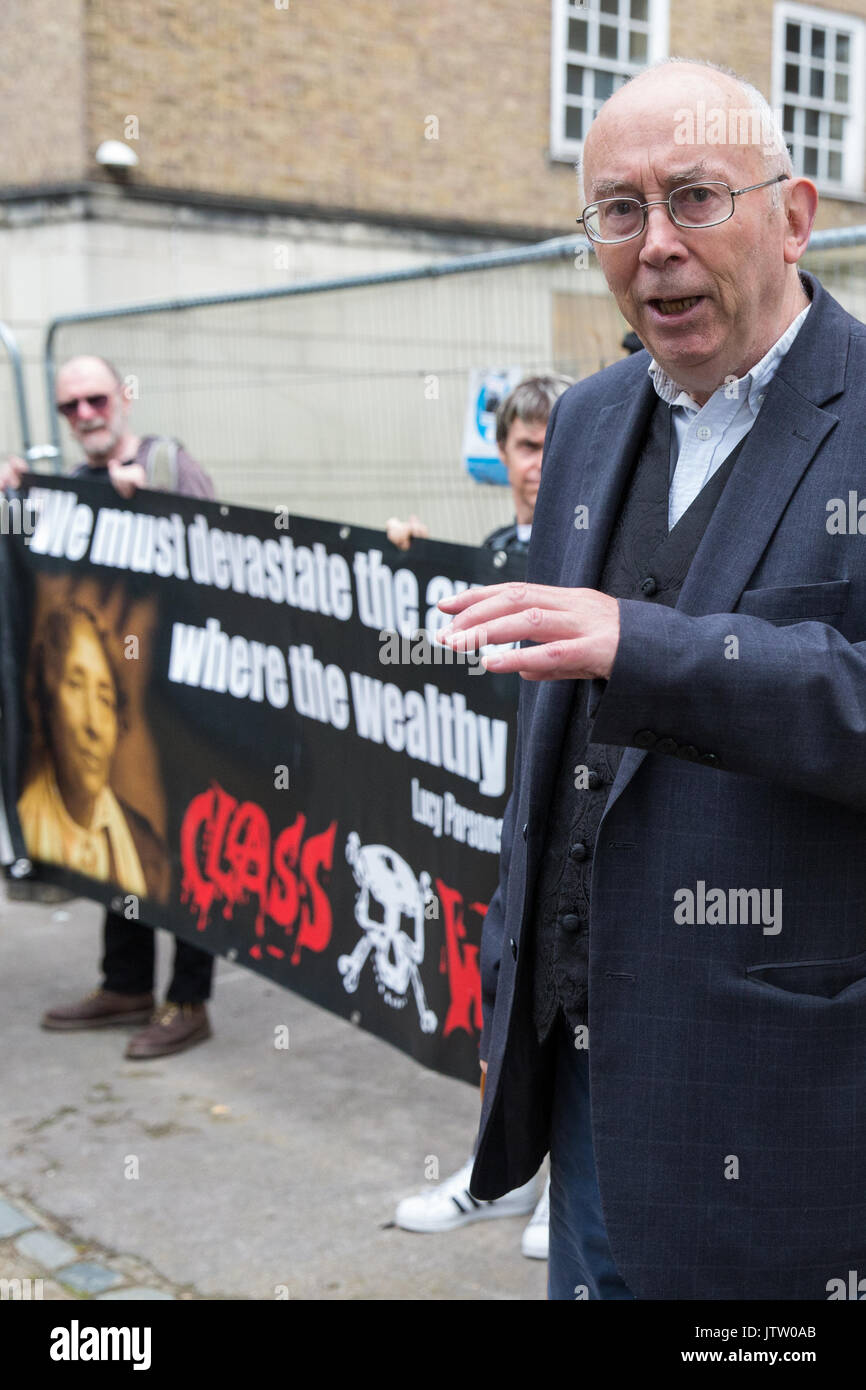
<point x="161" y="466"/>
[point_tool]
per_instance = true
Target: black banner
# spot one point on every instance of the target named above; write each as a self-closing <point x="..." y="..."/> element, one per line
<point x="232" y="723"/>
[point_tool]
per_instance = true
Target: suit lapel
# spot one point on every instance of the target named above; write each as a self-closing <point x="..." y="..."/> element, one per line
<point x="617" y="437"/>
<point x="787" y="434"/>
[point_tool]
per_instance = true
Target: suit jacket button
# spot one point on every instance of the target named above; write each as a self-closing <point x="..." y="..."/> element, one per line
<point x="709" y="760"/>
<point x="594" y="780"/>
<point x="525" y="829"/>
<point x="644" y="738"/>
<point x="513" y="945"/>
<point x="666" y="745"/>
<point x="688" y="752"/>
<point x="649" y="586"/>
<point x="578" y="851"/>
<point x="571" y="921"/>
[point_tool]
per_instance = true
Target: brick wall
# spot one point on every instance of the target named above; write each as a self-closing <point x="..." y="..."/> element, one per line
<point x="42" y="66"/>
<point x="325" y="103"/>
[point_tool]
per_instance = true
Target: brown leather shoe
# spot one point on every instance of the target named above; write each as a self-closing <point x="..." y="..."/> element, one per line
<point x="174" y="1028"/>
<point x="103" y="1008"/>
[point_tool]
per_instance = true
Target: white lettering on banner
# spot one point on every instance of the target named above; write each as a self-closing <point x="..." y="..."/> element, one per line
<point x="279" y="571"/>
<point x="64" y="524"/>
<point x="386" y="598"/>
<point x="427" y="807"/>
<point x="437" y="729"/>
<point x="211" y="660"/>
<point x="444" y="814"/>
<point x="439" y="587"/>
<point x="139" y="542"/>
<point x="305" y="577"/>
<point x="319" y="692"/>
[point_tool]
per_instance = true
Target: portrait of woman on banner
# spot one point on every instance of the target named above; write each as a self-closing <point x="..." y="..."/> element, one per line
<point x="68" y="811"/>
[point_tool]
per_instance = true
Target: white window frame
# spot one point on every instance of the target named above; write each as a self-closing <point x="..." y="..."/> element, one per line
<point x="656" y="28"/>
<point x="854" y="110"/>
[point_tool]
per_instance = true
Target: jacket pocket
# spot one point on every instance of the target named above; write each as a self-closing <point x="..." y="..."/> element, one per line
<point x="826" y="979"/>
<point x="799" y="603"/>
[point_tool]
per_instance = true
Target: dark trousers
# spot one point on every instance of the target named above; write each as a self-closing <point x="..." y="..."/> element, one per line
<point x="580" y="1264"/>
<point x="130" y="960"/>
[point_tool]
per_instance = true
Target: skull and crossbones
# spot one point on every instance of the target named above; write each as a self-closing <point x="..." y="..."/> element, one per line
<point x="379" y="871"/>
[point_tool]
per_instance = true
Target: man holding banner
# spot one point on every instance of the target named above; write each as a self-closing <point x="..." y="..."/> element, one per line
<point x="68" y="813"/>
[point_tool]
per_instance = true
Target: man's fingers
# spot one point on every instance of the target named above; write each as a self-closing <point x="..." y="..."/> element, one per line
<point x="476" y="606"/>
<point x="12" y="472"/>
<point x="562" y="660"/>
<point x="529" y="625"/>
<point x="126" y="477"/>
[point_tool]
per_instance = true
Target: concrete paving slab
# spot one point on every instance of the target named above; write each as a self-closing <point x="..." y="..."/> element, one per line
<point x="12" y="1220"/>
<point x="236" y="1170"/>
<point x="46" y="1249"/>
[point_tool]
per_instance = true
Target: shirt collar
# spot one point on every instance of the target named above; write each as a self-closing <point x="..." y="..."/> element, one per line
<point x="102" y="810"/>
<point x="751" y="387"/>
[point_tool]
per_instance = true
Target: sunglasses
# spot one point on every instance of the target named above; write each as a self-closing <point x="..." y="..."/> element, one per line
<point x="70" y="408"/>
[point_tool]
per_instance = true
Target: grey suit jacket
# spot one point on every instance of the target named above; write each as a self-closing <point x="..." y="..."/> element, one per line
<point x="727" y="1052"/>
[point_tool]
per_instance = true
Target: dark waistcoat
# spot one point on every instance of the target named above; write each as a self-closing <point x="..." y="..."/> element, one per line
<point x="645" y="561"/>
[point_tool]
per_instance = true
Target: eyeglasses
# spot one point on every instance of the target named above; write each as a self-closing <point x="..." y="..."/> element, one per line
<point x="694" y="205"/>
<point x="70" y="408"/>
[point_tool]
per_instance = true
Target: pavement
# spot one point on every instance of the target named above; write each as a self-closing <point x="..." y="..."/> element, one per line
<point x="235" y="1170"/>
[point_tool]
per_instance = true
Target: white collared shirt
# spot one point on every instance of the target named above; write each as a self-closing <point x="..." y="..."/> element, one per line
<point x="703" y="436"/>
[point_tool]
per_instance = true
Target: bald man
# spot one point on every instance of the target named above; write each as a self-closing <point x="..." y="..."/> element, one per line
<point x="674" y="962"/>
<point x="90" y="395"/>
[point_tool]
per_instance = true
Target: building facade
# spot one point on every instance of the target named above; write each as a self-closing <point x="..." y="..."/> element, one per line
<point x="277" y="141"/>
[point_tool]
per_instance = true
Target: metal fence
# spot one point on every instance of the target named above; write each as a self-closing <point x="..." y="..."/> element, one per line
<point x="346" y="399"/>
<point x="14" y="418"/>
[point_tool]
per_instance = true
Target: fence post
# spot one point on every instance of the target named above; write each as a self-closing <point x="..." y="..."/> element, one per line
<point x="8" y="340"/>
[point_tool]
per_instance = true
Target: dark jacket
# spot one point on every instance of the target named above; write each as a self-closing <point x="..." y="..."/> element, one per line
<point x="727" y="1062"/>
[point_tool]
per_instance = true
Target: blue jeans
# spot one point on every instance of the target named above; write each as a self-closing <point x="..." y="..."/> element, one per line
<point x="580" y="1264"/>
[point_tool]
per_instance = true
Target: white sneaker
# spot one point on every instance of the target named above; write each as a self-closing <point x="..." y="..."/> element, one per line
<point x="450" y="1204"/>
<point x="534" y="1244"/>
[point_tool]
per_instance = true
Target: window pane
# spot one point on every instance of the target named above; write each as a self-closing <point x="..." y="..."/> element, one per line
<point x="574" y="123"/>
<point x="609" y="6"/>
<point x="792" y="77"/>
<point x="837" y="127"/>
<point x="792" y="38"/>
<point x="639" y="10"/>
<point x="603" y="85"/>
<point x="811" y="122"/>
<point x="843" y="48"/>
<point x="607" y="37"/>
<point x="637" y="49"/>
<point x="834" y="165"/>
<point x="818" y="37"/>
<point x="816" y="82"/>
<point x="841" y="88"/>
<point x="788" y="120"/>
<point x="574" y="80"/>
<point x="810" y="160"/>
<point x="577" y="35"/>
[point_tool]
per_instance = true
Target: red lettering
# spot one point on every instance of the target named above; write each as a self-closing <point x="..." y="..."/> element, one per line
<point x="316" y="916"/>
<point x="248" y="850"/>
<point x="285" y="895"/>
<point x="464" y="974"/>
<point x="196" y="890"/>
<point x="226" y="855"/>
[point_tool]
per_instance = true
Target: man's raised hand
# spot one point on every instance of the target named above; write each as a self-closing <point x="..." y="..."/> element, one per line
<point x="576" y="630"/>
